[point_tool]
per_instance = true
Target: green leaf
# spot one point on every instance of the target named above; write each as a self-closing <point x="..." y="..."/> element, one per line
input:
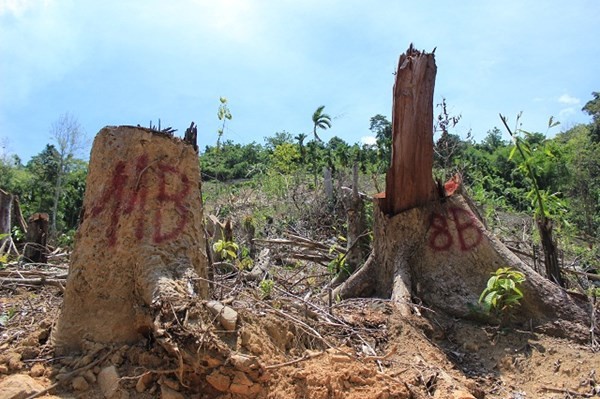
<point x="512" y="153"/>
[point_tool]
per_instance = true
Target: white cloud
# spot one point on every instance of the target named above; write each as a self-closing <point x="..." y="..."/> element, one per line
<point x="566" y="112"/>
<point x="18" y="7"/>
<point x="39" y="46"/>
<point x="369" y="140"/>
<point x="569" y="100"/>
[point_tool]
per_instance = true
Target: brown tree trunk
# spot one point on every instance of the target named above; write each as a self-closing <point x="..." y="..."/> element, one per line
<point x="6" y="201"/>
<point x="409" y="181"/>
<point x="37" y="236"/>
<point x="140" y="245"/>
<point x="429" y="244"/>
<point x="550" y="250"/>
<point x="10" y="215"/>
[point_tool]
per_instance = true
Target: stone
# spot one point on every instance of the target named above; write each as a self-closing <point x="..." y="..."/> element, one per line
<point x="19" y="386"/>
<point x="37" y="370"/>
<point x="168" y="393"/>
<point x="144" y="382"/>
<point x="245" y="363"/>
<point x="241" y="384"/>
<point x="460" y="394"/>
<point x="218" y="381"/>
<point x="108" y="380"/>
<point x="89" y="376"/>
<point x="79" y="383"/>
<point x="14" y="361"/>
<point x="173" y="384"/>
<point x="227" y="316"/>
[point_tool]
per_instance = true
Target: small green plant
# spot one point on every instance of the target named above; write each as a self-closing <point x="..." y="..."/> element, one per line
<point x="338" y="264"/>
<point x="245" y="262"/>
<point x="17" y="234"/>
<point x="226" y="250"/>
<point x="67" y="239"/>
<point x="6" y="316"/>
<point x="266" y="288"/>
<point x="503" y="292"/>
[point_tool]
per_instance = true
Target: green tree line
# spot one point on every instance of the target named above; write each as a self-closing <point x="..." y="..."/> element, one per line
<point x="568" y="167"/>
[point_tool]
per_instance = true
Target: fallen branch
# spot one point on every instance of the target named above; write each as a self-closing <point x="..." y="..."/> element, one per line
<point x="567" y="391"/>
<point x="34" y="281"/>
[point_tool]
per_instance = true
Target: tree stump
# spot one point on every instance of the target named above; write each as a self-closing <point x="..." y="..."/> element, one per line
<point x="141" y="243"/>
<point x="428" y="243"/>
<point x="10" y="215"/>
<point x="37" y="236"/>
<point x="6" y="201"/>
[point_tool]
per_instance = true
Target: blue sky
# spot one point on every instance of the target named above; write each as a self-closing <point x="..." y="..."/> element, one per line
<point x="128" y="62"/>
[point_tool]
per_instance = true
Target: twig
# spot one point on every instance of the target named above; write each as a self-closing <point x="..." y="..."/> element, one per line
<point x="567" y="391"/>
<point x="70" y="375"/>
<point x="301" y="359"/>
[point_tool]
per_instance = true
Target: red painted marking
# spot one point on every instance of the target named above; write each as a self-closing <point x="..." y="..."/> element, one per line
<point x="138" y="187"/>
<point x="139" y="195"/>
<point x="465" y="222"/>
<point x="114" y="192"/>
<point x="441" y="237"/>
<point x="177" y="200"/>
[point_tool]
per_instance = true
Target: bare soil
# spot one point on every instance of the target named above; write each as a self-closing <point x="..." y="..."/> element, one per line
<point x="359" y="349"/>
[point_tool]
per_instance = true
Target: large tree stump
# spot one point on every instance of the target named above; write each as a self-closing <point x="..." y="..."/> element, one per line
<point x="428" y="243"/>
<point x="141" y="241"/>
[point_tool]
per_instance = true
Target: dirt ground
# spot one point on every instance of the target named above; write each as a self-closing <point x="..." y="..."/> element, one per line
<point x="358" y="349"/>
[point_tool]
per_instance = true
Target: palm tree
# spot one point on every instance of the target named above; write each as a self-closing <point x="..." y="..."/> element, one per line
<point x="321" y="121"/>
<point x="301" y="137"/>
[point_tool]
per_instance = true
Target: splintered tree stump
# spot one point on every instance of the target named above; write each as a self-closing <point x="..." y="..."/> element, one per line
<point x="428" y="242"/>
<point x="409" y="181"/>
<point x="141" y="242"/>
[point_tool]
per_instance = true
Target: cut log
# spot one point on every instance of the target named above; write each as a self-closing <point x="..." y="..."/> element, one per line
<point x="429" y="244"/>
<point x="141" y="242"/>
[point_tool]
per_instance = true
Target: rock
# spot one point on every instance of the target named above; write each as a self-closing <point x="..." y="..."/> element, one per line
<point x="14" y="361"/>
<point x="218" y="381"/>
<point x="462" y="395"/>
<point x="89" y="376"/>
<point x="37" y="370"/>
<point x="3" y="369"/>
<point x="144" y="382"/>
<point x="19" y="386"/>
<point x="245" y="363"/>
<point x="87" y="359"/>
<point x="169" y="383"/>
<point x="227" y="316"/>
<point x="168" y="393"/>
<point x="241" y="384"/>
<point x="79" y="383"/>
<point x="108" y="380"/>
